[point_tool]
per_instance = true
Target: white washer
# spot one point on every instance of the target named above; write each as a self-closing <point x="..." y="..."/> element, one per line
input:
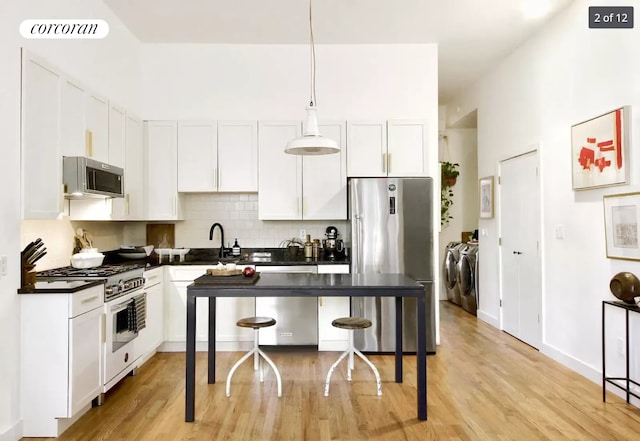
<point x="467" y="277"/>
<point x="450" y="271"/>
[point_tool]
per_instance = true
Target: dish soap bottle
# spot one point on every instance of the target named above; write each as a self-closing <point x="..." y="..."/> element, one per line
<point x="236" y="250"/>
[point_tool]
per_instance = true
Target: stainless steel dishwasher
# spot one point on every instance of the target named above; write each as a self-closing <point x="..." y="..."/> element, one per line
<point x="296" y="317"/>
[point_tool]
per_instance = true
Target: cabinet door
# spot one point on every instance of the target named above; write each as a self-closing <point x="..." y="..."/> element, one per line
<point x="407" y="148"/>
<point x="324" y="179"/>
<point x="42" y="194"/>
<point x="228" y="311"/>
<point x="238" y="156"/>
<point x="134" y="169"/>
<point x="331" y="338"/>
<point x="197" y="156"/>
<point x="366" y="148"/>
<point x="97" y="125"/>
<point x="72" y="116"/>
<point x="152" y="335"/>
<point x="162" y="172"/>
<point x="280" y="174"/>
<point x="117" y="155"/>
<point x="85" y="359"/>
<point x="175" y="314"/>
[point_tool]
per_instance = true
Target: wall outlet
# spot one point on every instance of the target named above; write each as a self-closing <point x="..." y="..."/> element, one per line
<point x="303" y="235"/>
<point x="621" y="348"/>
<point x="3" y="266"/>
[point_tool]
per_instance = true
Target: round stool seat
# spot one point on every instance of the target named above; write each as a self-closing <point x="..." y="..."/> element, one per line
<point x="351" y="323"/>
<point x="256" y="322"/>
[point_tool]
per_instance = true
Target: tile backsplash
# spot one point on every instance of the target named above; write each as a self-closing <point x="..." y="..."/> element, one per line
<point x="238" y="215"/>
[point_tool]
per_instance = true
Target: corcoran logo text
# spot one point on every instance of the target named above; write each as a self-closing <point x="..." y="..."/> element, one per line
<point x="64" y="29"/>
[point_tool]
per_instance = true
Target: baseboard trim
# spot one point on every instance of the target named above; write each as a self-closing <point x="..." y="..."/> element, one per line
<point x="13" y="433"/>
<point x="493" y="321"/>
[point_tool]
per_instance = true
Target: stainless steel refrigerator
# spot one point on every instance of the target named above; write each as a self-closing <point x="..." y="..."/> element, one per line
<point x="392" y="232"/>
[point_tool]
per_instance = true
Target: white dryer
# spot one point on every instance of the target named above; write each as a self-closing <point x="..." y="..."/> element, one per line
<point x="467" y="277"/>
<point x="450" y="271"/>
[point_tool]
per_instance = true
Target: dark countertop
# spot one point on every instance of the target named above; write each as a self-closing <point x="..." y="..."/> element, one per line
<point x="209" y="256"/>
<point x="286" y="285"/>
<point x="60" y="287"/>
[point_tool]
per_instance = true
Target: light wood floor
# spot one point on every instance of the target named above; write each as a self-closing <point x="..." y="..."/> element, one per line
<point x="482" y="385"/>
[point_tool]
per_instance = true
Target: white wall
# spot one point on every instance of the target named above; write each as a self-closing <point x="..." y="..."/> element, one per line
<point x="566" y="74"/>
<point x="109" y="66"/>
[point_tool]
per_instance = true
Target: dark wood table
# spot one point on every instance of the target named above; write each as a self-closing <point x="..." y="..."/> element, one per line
<point x="316" y="285"/>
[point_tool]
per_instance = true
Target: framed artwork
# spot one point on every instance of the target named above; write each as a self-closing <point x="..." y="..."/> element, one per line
<point x="486" y="197"/>
<point x="621" y="223"/>
<point x="599" y="150"/>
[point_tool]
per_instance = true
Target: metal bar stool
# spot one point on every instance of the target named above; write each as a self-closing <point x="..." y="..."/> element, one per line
<point x="256" y="323"/>
<point x="351" y="323"/>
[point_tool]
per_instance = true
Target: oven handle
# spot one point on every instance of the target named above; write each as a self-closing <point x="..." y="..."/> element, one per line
<point x="120" y="307"/>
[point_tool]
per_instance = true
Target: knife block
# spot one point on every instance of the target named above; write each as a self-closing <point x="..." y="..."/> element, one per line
<point x="27" y="275"/>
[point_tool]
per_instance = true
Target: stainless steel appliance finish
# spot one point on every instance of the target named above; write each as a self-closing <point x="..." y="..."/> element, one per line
<point x="450" y="271"/>
<point x="87" y="178"/>
<point x="392" y="232"/>
<point x="466" y="278"/>
<point x="296" y="317"/>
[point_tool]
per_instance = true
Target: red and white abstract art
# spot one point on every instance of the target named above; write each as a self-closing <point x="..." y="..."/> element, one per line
<point x="599" y="149"/>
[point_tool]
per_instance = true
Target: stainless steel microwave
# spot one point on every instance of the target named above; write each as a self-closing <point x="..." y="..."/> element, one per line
<point x="87" y="178"/>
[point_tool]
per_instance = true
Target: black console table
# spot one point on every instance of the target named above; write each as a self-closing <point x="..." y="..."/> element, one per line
<point x="612" y="380"/>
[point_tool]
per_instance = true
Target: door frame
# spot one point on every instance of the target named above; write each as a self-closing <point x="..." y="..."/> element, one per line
<point x="534" y="149"/>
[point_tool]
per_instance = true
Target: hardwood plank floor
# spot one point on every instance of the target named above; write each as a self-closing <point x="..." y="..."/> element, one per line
<point x="482" y="385"/>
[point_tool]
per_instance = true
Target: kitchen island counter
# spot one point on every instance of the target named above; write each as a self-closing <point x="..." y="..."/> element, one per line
<point x="326" y="285"/>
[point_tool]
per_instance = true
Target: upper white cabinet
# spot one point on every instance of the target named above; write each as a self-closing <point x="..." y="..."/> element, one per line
<point x="126" y="151"/>
<point x="161" y="174"/>
<point x="97" y="127"/>
<point x="280" y="177"/>
<point x="220" y="156"/>
<point x="300" y="187"/>
<point x="237" y="156"/>
<point x="72" y="118"/>
<point x="324" y="179"/>
<point x="197" y="156"/>
<point x="391" y="148"/>
<point x="117" y="136"/>
<point x="407" y="148"/>
<point x="42" y="193"/>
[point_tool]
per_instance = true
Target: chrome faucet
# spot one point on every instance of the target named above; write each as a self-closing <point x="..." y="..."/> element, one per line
<point x="221" y="254"/>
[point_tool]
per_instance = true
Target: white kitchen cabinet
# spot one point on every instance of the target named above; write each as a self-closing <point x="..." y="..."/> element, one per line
<point x="152" y="336"/>
<point x="97" y="127"/>
<point x="42" y="192"/>
<point x="391" y="148"/>
<point x="72" y="118"/>
<point x="127" y="131"/>
<point x="117" y="136"/>
<point x="237" y="156"/>
<point x="279" y="174"/>
<point x="61" y="333"/>
<point x="331" y="338"/>
<point x="197" y="156"/>
<point x="161" y="174"/>
<point x="293" y="187"/>
<point x="407" y="148"/>
<point x="228" y="312"/>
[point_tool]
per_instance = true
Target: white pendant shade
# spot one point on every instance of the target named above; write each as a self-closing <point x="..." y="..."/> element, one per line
<point x="312" y="142"/>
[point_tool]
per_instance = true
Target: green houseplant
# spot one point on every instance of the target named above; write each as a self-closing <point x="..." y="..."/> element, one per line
<point x="293" y="245"/>
<point x="449" y="174"/>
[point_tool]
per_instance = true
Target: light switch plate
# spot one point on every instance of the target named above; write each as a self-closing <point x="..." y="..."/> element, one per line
<point x="303" y="235"/>
<point x="559" y="231"/>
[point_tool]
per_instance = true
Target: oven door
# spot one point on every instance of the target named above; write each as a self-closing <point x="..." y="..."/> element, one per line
<point x="125" y="317"/>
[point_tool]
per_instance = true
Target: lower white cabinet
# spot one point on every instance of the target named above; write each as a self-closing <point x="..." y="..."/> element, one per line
<point x="329" y="309"/>
<point x="228" y="311"/>
<point x="61" y="358"/>
<point x="152" y="335"/>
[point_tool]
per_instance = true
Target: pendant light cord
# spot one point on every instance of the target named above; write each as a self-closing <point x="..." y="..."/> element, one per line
<point x="313" y="59"/>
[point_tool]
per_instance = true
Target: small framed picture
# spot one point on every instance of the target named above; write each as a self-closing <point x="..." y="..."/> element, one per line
<point x="599" y="150"/>
<point x="621" y="221"/>
<point x="486" y="197"/>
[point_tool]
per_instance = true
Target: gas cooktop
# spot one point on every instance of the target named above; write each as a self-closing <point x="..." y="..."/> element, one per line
<point x="104" y="271"/>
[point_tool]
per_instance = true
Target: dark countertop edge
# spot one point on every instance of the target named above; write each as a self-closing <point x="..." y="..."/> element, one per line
<point x="58" y="287"/>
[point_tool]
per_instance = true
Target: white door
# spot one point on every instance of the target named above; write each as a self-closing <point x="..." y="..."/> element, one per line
<point x="72" y="115"/>
<point x="162" y="170"/>
<point x="97" y="121"/>
<point x="237" y="156"/>
<point x="134" y="170"/>
<point x="407" y="148"/>
<point x="367" y="148"/>
<point x="197" y="156"/>
<point x="520" y="251"/>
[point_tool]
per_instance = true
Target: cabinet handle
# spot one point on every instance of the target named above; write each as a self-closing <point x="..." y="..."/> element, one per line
<point x="104" y="327"/>
<point x="219" y="179"/>
<point x="89" y="143"/>
<point x="127" y="203"/>
<point x="90" y="299"/>
<point x="175" y="205"/>
<point x="320" y="300"/>
<point x="304" y="206"/>
<point x="215" y="178"/>
<point x="389" y="163"/>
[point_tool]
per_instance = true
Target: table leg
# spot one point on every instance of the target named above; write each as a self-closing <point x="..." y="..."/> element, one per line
<point x="399" y="339"/>
<point x="212" y="340"/>
<point x="604" y="383"/>
<point x="421" y="358"/>
<point x="191" y="359"/>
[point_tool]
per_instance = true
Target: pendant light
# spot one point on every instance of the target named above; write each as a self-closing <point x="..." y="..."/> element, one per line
<point x="312" y="142"/>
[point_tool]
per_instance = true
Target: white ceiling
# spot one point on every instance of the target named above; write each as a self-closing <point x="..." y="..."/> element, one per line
<point x="472" y="35"/>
